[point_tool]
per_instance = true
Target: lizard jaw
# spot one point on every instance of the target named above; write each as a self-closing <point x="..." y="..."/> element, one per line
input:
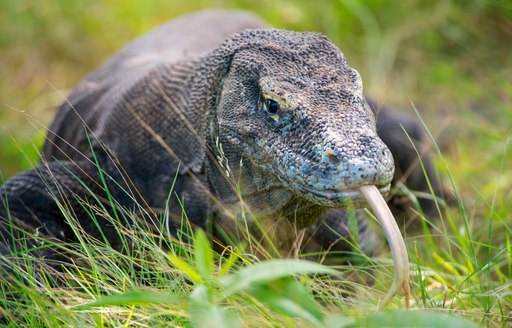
<point x="346" y="198"/>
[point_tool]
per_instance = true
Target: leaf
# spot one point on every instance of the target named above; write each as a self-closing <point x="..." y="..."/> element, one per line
<point x="289" y="297"/>
<point x="203" y="254"/>
<point x="200" y="294"/>
<point x="185" y="268"/>
<point x="268" y="271"/>
<point x="137" y="297"/>
<point x="209" y="315"/>
<point x="417" y="319"/>
<point x="339" y="321"/>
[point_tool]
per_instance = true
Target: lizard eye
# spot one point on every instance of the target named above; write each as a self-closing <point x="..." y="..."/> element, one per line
<point x="272" y="106"/>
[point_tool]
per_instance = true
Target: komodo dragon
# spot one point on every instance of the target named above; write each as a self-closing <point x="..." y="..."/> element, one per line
<point x="239" y="120"/>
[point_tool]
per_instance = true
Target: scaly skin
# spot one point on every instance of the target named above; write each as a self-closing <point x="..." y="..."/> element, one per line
<point x="317" y="145"/>
<point x="262" y="124"/>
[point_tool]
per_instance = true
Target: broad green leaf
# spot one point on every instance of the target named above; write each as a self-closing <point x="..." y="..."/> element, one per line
<point x="417" y="319"/>
<point x="200" y="294"/>
<point x="339" y="321"/>
<point x="203" y="254"/>
<point x="209" y="315"/>
<point x="137" y="297"/>
<point x="289" y="297"/>
<point x="267" y="271"/>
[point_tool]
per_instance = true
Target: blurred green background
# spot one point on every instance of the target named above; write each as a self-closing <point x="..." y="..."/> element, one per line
<point x="451" y="59"/>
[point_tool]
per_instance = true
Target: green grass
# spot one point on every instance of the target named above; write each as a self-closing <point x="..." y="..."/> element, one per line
<point x="452" y="60"/>
<point x="159" y="280"/>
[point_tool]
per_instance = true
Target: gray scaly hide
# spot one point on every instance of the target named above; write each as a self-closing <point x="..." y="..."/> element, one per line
<point x="241" y="121"/>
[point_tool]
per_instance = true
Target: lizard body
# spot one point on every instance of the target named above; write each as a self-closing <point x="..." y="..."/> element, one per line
<point x="234" y="117"/>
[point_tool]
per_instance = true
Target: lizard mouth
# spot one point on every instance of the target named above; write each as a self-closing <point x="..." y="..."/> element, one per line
<point x="352" y="197"/>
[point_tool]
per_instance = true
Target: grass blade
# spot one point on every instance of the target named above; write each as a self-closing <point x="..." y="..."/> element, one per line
<point x="269" y="271"/>
<point x="136" y="297"/>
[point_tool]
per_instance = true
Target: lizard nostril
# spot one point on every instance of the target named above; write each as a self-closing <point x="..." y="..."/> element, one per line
<point x="333" y="159"/>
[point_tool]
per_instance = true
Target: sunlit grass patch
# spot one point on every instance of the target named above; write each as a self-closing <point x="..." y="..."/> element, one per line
<point x="158" y="278"/>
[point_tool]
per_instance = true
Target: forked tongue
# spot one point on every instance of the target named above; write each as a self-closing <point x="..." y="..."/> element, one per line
<point x="395" y="241"/>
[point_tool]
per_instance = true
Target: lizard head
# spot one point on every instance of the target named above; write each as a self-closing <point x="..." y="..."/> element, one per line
<point x="292" y="106"/>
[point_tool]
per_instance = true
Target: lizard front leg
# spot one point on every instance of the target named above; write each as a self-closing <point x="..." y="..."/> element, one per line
<point x="37" y="205"/>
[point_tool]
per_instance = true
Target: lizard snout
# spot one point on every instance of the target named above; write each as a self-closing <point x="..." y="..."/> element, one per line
<point x="361" y="161"/>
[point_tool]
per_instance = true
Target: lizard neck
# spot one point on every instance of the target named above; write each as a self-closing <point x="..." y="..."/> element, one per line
<point x="246" y="189"/>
